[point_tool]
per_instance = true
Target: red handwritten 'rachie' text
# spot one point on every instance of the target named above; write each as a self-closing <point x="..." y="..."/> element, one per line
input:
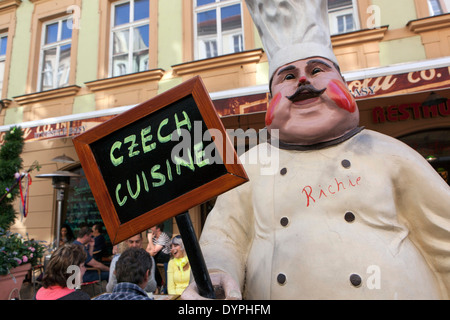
<point x="337" y="186"/>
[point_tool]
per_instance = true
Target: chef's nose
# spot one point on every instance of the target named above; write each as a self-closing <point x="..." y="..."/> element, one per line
<point x="302" y="80"/>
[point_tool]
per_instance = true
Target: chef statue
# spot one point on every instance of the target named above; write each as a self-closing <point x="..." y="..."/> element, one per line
<point x="349" y="213"/>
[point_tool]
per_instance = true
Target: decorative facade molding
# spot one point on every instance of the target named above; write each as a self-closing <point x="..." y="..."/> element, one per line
<point x="366" y="35"/>
<point x="47" y="95"/>
<point x="430" y="23"/>
<point x="108" y="83"/>
<point x="6" y="4"/>
<point x="435" y="32"/>
<point x="245" y="57"/>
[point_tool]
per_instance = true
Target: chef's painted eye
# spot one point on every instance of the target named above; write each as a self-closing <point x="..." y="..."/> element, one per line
<point x="289" y="76"/>
<point x="316" y="70"/>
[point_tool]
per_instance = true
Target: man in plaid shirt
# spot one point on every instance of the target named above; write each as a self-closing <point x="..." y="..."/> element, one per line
<point x="132" y="272"/>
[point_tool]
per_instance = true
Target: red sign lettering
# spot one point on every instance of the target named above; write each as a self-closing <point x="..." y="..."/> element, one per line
<point x="415" y="111"/>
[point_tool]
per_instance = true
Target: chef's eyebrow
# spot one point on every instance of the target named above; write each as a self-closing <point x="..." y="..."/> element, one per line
<point x="318" y="61"/>
<point x="292" y="67"/>
<point x="288" y="68"/>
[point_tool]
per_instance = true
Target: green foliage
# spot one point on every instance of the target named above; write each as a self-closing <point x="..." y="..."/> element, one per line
<point x="10" y="163"/>
<point x="15" y="251"/>
<point x="7" y="215"/>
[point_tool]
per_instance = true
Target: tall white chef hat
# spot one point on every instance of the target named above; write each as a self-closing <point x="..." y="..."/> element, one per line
<point x="292" y="30"/>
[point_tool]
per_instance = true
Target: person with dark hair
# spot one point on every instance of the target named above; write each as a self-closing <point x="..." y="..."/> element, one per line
<point x="132" y="242"/>
<point x="100" y="248"/>
<point x="159" y="248"/>
<point x="86" y="239"/>
<point x="159" y="243"/>
<point x="66" y="235"/>
<point x="132" y="272"/>
<point x="59" y="277"/>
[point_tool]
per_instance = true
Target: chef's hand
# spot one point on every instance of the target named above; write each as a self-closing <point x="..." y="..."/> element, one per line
<point x="219" y="279"/>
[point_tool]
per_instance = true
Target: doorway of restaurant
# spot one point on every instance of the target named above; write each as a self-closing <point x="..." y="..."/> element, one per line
<point x="434" y="146"/>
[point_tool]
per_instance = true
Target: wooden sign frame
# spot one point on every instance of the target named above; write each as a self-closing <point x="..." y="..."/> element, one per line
<point x="235" y="173"/>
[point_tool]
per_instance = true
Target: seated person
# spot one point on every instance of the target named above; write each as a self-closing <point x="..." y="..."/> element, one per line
<point x="86" y="239"/>
<point x="100" y="247"/>
<point x="132" y="273"/>
<point x="159" y="248"/>
<point x="133" y="242"/>
<point x="66" y="235"/>
<point x="178" y="270"/>
<point x="56" y="278"/>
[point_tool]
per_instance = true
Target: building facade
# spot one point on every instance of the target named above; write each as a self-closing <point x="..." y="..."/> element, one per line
<point x="69" y="65"/>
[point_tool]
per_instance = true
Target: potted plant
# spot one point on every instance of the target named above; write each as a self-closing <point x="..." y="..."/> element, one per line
<point x="17" y="256"/>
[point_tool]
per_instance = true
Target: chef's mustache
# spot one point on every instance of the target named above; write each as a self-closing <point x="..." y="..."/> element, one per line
<point x="306" y="91"/>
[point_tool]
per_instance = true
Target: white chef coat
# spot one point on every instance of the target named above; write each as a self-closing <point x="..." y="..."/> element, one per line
<point x="367" y="218"/>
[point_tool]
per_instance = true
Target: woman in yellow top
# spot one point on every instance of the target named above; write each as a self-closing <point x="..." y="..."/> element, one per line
<point x="178" y="269"/>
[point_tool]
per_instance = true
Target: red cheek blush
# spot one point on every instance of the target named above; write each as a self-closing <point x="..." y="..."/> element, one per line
<point x="272" y="106"/>
<point x="339" y="93"/>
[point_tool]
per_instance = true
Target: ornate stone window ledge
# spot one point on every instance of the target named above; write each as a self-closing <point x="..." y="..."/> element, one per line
<point x="428" y="24"/>
<point x="47" y="95"/>
<point x="9" y="3"/>
<point x="366" y="35"/>
<point x="245" y="57"/>
<point x="119" y="81"/>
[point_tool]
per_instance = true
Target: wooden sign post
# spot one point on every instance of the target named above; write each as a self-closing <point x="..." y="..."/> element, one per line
<point x="158" y="160"/>
<point x="194" y="253"/>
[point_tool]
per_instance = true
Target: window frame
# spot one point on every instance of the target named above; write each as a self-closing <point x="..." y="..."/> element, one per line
<point x="431" y="9"/>
<point x="58" y="44"/>
<point x="130" y="26"/>
<point x="4" y="35"/>
<point x="3" y="61"/>
<point x="219" y="37"/>
<point x="334" y="14"/>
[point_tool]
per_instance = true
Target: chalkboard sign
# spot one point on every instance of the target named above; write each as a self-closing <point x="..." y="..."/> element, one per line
<point x="157" y="160"/>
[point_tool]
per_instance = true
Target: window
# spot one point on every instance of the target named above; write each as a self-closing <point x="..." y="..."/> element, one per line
<point x="130" y="37"/>
<point x="342" y="16"/>
<point x="218" y="28"/>
<point x="55" y="55"/>
<point x="3" y="42"/>
<point x="435" y="7"/>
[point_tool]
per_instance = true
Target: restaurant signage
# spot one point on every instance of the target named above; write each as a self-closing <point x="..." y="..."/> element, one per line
<point x="158" y="159"/>
<point x="410" y="111"/>
<point x="414" y="81"/>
